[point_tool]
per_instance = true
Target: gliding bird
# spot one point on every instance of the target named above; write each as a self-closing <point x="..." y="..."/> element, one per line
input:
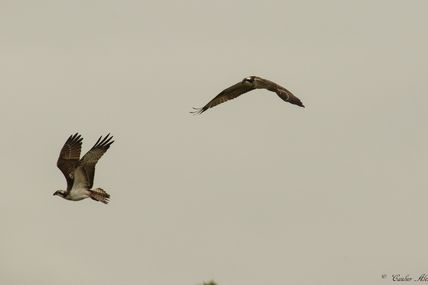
<point x="246" y="85"/>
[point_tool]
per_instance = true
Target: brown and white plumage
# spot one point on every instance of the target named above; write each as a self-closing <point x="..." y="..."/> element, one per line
<point x="69" y="158"/>
<point x="79" y="173"/>
<point x="246" y="85"/>
<point x="90" y="159"/>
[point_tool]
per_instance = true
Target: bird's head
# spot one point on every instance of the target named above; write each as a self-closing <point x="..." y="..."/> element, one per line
<point x="249" y="79"/>
<point x="59" y="193"/>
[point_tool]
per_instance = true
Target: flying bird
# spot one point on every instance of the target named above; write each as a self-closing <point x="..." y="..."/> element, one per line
<point x="79" y="172"/>
<point x="246" y="85"/>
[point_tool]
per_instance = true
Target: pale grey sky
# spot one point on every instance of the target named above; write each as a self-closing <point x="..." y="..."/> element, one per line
<point x="255" y="191"/>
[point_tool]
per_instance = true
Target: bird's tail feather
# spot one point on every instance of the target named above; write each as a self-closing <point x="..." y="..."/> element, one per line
<point x="100" y="195"/>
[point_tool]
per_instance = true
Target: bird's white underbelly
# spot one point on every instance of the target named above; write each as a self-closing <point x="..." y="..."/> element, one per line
<point x="78" y="194"/>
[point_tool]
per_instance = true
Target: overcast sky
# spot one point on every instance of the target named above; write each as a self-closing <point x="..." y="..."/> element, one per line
<point x="255" y="191"/>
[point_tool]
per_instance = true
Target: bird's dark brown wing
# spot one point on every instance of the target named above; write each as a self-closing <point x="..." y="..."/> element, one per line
<point x="69" y="158"/>
<point x="90" y="159"/>
<point x="284" y="94"/>
<point x="228" y="94"/>
<point x="287" y="96"/>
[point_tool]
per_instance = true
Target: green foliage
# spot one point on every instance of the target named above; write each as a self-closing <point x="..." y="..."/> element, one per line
<point x="209" y="283"/>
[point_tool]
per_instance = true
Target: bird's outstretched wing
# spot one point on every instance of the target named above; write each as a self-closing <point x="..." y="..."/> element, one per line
<point x="228" y="94"/>
<point x="90" y="159"/>
<point x="282" y="92"/>
<point x="69" y="158"/>
<point x="287" y="96"/>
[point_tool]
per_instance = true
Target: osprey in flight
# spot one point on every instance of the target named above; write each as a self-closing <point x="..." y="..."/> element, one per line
<point x="246" y="85"/>
<point x="79" y="173"/>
